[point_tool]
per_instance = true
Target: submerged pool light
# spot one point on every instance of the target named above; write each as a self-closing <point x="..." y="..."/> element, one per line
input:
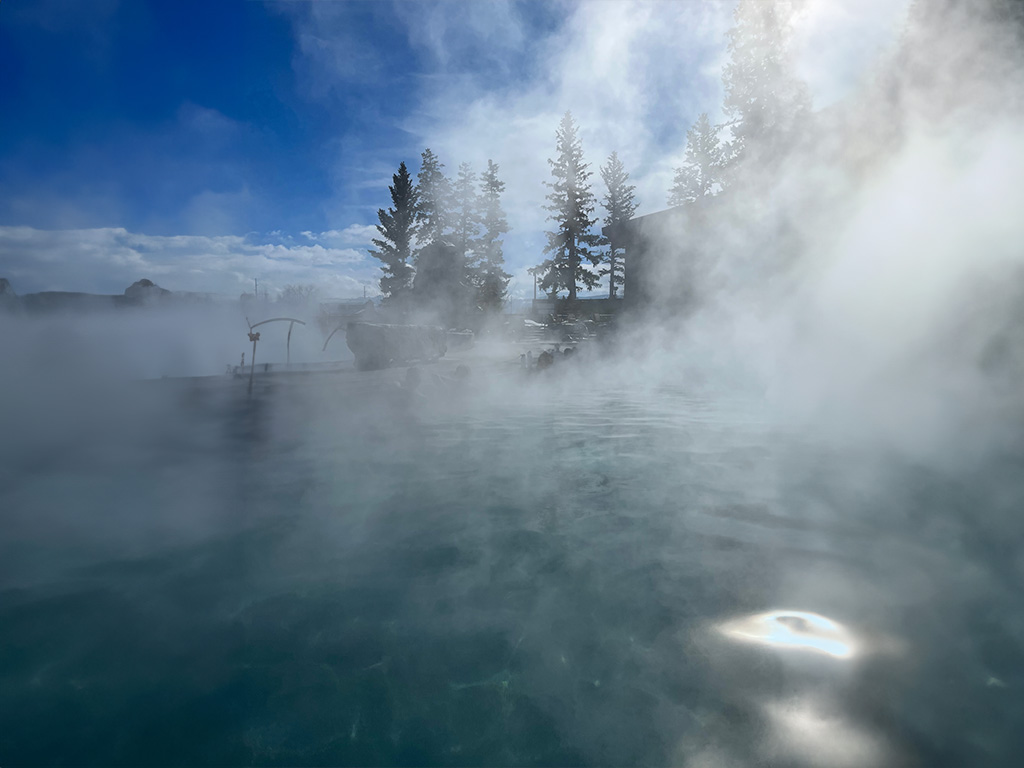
<point x="798" y="630"/>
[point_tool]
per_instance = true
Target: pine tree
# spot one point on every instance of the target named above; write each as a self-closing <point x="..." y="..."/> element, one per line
<point x="464" y="213"/>
<point x="571" y="206"/>
<point x="701" y="172"/>
<point x="490" y="277"/>
<point x="394" y="247"/>
<point x="433" y="192"/>
<point x="765" y="102"/>
<point x="620" y="203"/>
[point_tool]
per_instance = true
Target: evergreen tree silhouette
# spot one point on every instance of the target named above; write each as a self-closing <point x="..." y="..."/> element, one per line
<point x="433" y="193"/>
<point x="396" y="228"/>
<point x="620" y="203"/>
<point x="571" y="205"/>
<point x="701" y="172"/>
<point x="490" y="277"/>
<point x="465" y="213"/>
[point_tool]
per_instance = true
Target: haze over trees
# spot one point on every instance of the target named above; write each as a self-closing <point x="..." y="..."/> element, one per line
<point x="441" y="292"/>
<point x="465" y="214"/>
<point x="298" y="294"/>
<point x="491" y="279"/>
<point x="571" y="208"/>
<point x="766" y="104"/>
<point x="441" y="243"/>
<point x="701" y="173"/>
<point x="620" y="203"/>
<point x="767" y="109"/>
<point x="443" y="286"/>
<point x="433" y="193"/>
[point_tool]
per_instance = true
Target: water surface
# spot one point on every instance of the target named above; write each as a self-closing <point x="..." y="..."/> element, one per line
<point x="337" y="573"/>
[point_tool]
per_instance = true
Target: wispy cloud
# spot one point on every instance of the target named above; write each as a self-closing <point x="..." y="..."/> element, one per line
<point x="107" y="260"/>
<point x="352" y="235"/>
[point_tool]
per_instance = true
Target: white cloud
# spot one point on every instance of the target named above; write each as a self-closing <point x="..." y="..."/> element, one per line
<point x="360" y="235"/>
<point x="212" y="213"/>
<point x="107" y="260"/>
<point x="208" y="122"/>
<point x="491" y="30"/>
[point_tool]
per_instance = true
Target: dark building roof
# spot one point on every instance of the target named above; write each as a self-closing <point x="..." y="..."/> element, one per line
<point x="665" y="252"/>
<point x="678" y="216"/>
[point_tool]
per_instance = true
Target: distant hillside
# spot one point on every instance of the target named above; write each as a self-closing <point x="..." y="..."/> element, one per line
<point x="140" y="293"/>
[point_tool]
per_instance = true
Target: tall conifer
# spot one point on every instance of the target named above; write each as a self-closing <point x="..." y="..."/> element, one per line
<point x="396" y="228"/>
<point x="701" y="172"/>
<point x="571" y="205"/>
<point x="491" y="278"/>
<point x="433" y="192"/>
<point x="620" y="203"/>
<point x="465" y="213"/>
<point x="765" y="102"/>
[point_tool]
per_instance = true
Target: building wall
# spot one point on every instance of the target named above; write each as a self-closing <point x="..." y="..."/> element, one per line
<point x="667" y="262"/>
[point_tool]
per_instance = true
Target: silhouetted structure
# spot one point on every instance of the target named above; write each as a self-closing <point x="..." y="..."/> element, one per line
<point x="667" y="257"/>
<point x="378" y="345"/>
<point x="140" y="293"/>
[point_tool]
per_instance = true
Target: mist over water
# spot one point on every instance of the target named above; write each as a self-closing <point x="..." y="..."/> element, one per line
<point x="782" y="529"/>
<point x="536" y="572"/>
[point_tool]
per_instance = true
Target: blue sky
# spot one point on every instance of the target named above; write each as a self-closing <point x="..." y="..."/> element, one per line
<point x="135" y="114"/>
<point x="202" y="144"/>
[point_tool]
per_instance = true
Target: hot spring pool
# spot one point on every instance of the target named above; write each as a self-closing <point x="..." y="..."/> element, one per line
<point x="330" y="576"/>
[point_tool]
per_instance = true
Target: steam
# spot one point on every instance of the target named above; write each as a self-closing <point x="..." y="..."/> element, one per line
<point x="860" y="281"/>
<point x="818" y="456"/>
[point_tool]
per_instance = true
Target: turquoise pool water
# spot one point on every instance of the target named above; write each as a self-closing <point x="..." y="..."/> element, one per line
<point x="345" y="574"/>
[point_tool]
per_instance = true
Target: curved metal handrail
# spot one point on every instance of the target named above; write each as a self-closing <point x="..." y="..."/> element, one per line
<point x="331" y="334"/>
<point x="254" y="337"/>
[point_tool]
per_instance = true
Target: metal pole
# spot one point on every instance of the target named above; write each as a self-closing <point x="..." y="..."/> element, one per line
<point x="254" y="337"/>
<point x="288" y="346"/>
<point x="611" y="271"/>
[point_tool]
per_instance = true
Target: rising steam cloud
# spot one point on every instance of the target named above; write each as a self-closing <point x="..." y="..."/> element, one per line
<point x="781" y="522"/>
<point x="869" y="280"/>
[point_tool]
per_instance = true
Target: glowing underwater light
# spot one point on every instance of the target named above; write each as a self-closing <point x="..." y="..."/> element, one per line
<point x="798" y="630"/>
